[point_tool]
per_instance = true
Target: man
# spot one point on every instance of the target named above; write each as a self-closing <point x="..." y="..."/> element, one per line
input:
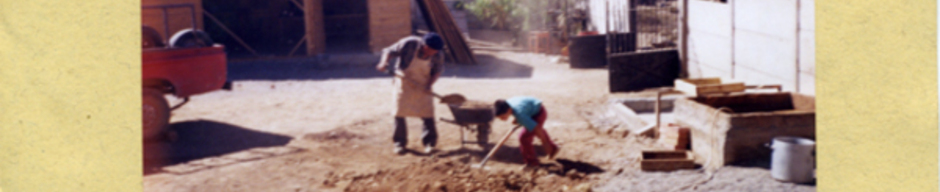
<point x="528" y="112"/>
<point x="417" y="68"/>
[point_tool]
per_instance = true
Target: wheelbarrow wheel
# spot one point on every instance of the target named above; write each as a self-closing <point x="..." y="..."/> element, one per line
<point x="483" y="134"/>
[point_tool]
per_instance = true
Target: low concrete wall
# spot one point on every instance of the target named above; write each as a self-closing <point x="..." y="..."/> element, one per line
<point x="723" y="137"/>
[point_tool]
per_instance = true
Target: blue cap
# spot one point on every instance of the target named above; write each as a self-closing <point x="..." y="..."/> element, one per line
<point x="434" y="41"/>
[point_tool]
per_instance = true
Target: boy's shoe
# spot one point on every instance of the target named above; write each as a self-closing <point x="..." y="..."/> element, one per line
<point x="551" y="154"/>
<point x="399" y="150"/>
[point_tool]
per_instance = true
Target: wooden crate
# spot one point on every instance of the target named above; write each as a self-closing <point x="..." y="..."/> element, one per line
<point x="666" y="160"/>
<point x="704" y="86"/>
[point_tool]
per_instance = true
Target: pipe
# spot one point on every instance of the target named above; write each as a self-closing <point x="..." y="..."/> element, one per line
<point x="797" y="84"/>
<point x="659" y="96"/>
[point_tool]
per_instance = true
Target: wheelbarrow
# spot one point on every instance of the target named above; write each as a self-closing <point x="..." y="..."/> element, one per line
<point x="473" y="116"/>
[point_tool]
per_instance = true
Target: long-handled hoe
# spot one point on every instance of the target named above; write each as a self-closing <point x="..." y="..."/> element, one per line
<point x="493" y="151"/>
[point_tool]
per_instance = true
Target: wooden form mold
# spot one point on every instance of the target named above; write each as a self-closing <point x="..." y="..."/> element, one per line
<point x="666" y="160"/>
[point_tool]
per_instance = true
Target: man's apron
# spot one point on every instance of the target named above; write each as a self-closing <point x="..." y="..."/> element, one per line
<point x="411" y="97"/>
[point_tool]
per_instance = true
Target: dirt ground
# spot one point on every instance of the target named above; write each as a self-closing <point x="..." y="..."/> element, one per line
<point x="308" y="125"/>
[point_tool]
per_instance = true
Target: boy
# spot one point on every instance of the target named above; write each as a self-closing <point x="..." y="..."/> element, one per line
<point x="529" y="112"/>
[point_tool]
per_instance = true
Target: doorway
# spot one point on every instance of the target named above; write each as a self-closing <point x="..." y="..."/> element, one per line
<point x="346" y="24"/>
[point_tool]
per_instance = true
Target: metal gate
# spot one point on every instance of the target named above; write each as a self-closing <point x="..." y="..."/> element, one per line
<point x="642" y="25"/>
<point x="645" y="55"/>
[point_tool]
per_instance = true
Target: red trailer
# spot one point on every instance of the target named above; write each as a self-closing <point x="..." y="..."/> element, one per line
<point x="186" y="64"/>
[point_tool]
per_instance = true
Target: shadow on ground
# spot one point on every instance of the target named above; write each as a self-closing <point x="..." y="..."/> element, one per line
<point x="489" y="66"/>
<point x="360" y="66"/>
<point x="754" y="163"/>
<point x="577" y="166"/>
<point x="201" y="139"/>
<point x="763" y="163"/>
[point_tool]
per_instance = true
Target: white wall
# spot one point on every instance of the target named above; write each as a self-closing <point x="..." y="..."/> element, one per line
<point x="709" y="39"/>
<point x="765" y="45"/>
<point x="619" y="19"/>
<point x="755" y="41"/>
<point x="807" y="47"/>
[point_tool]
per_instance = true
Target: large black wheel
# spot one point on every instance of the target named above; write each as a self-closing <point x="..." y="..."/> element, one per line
<point x="151" y="38"/>
<point x="156" y="113"/>
<point x="188" y="38"/>
<point x="483" y="134"/>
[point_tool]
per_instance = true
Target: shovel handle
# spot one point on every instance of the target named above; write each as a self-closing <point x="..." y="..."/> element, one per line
<point x="493" y="151"/>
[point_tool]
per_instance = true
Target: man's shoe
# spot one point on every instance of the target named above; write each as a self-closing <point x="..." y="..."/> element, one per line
<point x="428" y="149"/>
<point x="399" y="150"/>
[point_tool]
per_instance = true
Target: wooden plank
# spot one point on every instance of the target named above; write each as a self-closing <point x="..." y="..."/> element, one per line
<point x="438" y="17"/>
<point x="434" y="15"/>
<point x="442" y="18"/>
<point x="704" y="86"/>
<point x="389" y="3"/>
<point x="462" y="43"/>
<point x="455" y="32"/>
<point x="390" y="23"/>
<point x="430" y="18"/>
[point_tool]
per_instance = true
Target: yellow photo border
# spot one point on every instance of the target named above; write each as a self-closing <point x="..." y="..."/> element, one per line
<point x="70" y="95"/>
<point x="876" y="111"/>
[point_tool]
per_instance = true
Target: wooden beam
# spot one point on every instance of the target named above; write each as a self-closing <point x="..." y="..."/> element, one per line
<point x="299" y="6"/>
<point x="237" y="39"/>
<point x="297" y="46"/>
<point x="313" y="23"/>
<point x="439" y="20"/>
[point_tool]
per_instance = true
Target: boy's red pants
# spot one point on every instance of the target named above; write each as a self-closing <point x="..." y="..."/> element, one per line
<point x="525" y="139"/>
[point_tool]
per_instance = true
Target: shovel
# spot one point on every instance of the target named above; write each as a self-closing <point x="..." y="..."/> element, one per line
<point x="493" y="151"/>
<point x="450" y="99"/>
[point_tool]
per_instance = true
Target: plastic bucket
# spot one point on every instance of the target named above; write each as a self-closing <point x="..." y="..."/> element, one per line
<point x="792" y="159"/>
